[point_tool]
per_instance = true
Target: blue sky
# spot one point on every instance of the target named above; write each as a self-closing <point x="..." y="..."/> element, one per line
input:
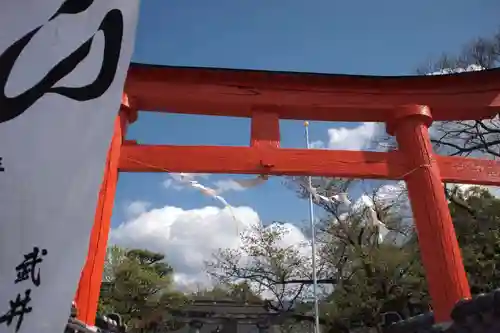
<point x="385" y="37"/>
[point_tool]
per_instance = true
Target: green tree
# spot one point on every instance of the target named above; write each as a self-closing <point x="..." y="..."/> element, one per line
<point x="264" y="262"/>
<point x="239" y="292"/>
<point x="381" y="283"/>
<point x="242" y="292"/>
<point x="476" y="216"/>
<point x="140" y="289"/>
<point x="366" y="276"/>
<point x="372" y="277"/>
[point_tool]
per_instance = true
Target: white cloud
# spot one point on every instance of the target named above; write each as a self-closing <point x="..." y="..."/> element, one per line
<point x="136" y="208"/>
<point x="357" y="138"/>
<point x="189" y="237"/>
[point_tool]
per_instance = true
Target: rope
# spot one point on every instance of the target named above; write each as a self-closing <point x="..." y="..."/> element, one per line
<point x="228" y="206"/>
<point x="421" y="166"/>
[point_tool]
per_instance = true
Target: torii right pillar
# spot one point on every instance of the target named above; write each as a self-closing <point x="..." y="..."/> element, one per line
<point x="441" y="257"/>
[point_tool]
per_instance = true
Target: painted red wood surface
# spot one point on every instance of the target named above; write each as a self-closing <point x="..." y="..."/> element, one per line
<point x="248" y="160"/>
<point x="314" y="162"/>
<point x="265" y="131"/>
<point x="89" y="287"/>
<point x="327" y="97"/>
<point x="440" y="253"/>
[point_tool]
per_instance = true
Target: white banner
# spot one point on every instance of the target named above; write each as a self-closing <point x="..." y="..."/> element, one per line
<point x="62" y="70"/>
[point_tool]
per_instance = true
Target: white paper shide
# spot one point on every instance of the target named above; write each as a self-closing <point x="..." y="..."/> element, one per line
<point x="62" y="70"/>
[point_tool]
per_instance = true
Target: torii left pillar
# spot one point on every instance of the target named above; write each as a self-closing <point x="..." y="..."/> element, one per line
<point x="87" y="295"/>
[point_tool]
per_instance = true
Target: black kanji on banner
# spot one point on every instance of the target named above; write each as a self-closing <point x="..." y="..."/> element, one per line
<point x="18" y="308"/>
<point x="28" y="268"/>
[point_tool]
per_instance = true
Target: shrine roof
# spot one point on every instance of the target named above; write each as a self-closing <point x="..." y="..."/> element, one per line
<point x="478" y="315"/>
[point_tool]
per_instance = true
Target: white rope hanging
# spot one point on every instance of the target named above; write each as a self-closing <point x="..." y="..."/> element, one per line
<point x="189" y="180"/>
<point x="208" y="192"/>
<point x="373" y="220"/>
<point x="183" y="178"/>
<point x="342" y="198"/>
<point x="336" y="198"/>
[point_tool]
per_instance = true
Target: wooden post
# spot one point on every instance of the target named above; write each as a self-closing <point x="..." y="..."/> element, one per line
<point x="87" y="295"/>
<point x="441" y="256"/>
<point x="266" y="138"/>
<point x="265" y="131"/>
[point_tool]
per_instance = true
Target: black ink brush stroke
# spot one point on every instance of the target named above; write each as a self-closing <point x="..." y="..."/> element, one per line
<point x="72" y="7"/>
<point x="112" y="28"/>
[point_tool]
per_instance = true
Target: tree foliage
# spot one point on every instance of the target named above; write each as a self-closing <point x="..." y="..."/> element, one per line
<point x="476" y="216"/>
<point x="363" y="276"/>
<point x="239" y="292"/>
<point x="265" y="263"/>
<point x="139" y="287"/>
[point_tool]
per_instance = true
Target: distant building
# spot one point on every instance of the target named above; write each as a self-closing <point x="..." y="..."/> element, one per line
<point x="227" y="316"/>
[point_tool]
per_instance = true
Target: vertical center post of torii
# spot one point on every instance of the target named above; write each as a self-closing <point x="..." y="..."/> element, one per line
<point x="439" y="248"/>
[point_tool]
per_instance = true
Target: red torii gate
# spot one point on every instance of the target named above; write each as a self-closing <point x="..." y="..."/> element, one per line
<point x="407" y="105"/>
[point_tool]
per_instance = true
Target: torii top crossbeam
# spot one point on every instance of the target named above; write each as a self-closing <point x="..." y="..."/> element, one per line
<point x="324" y="97"/>
<point x="407" y="105"/>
